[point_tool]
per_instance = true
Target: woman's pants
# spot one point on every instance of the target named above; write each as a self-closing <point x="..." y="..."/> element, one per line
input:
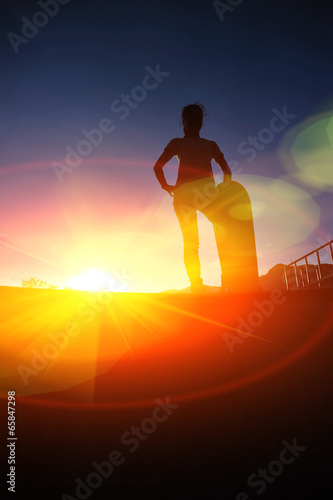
<point x="228" y="207"/>
<point x="188" y="198"/>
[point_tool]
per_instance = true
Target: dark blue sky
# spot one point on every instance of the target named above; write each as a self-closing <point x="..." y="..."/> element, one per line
<point x="263" y="55"/>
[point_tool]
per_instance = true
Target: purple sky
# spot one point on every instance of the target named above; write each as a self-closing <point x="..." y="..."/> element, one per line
<point x="64" y="79"/>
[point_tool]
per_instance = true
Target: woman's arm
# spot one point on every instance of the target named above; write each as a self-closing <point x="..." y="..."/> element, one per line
<point x="225" y="168"/>
<point x="158" y="169"/>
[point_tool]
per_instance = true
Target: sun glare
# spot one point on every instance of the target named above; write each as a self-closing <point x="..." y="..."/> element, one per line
<point x="93" y="280"/>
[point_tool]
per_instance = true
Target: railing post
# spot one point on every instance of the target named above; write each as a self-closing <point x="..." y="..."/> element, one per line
<point x="319" y="265"/>
<point x="302" y="276"/>
<point x="296" y="277"/>
<point x="307" y="270"/>
<point x="286" y="277"/>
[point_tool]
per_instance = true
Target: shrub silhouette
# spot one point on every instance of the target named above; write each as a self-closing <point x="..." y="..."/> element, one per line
<point x="36" y="283"/>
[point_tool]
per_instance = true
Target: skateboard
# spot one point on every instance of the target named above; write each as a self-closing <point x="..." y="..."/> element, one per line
<point x="231" y="214"/>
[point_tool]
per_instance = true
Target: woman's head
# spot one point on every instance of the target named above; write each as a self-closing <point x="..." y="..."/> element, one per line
<point x="192" y="118"/>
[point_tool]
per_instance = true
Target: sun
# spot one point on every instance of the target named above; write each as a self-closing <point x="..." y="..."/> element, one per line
<point x="93" y="280"/>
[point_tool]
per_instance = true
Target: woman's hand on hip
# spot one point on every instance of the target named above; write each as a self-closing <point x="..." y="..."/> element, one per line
<point x="169" y="189"/>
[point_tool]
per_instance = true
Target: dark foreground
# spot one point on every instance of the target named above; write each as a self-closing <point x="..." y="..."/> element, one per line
<point x="191" y="408"/>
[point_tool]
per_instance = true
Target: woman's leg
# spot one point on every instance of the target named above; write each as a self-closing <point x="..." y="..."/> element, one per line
<point x="188" y="222"/>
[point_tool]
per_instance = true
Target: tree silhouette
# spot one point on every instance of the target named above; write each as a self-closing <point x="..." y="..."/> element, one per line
<point x="36" y="283"/>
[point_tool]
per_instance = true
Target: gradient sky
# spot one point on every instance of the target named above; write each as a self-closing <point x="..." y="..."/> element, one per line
<point x="109" y="211"/>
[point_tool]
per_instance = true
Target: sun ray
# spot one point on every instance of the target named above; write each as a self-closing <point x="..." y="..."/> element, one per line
<point x="120" y="330"/>
<point x="203" y="319"/>
<point x="141" y="321"/>
<point x="29" y="254"/>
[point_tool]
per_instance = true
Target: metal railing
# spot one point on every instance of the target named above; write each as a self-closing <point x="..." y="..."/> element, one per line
<point x="301" y="273"/>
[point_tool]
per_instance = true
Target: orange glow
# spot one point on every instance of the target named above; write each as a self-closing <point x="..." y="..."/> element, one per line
<point x="87" y="222"/>
<point x="120" y="350"/>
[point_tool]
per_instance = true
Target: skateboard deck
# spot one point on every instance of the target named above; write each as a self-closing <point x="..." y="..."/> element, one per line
<point x="231" y="214"/>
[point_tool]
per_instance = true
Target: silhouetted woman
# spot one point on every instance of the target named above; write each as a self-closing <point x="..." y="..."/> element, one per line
<point x="195" y="186"/>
